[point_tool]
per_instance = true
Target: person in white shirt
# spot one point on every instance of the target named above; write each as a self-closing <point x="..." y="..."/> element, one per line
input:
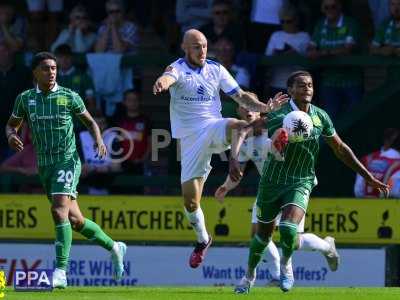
<point x="256" y="147"/>
<point x="195" y="111"/>
<point x="289" y="40"/>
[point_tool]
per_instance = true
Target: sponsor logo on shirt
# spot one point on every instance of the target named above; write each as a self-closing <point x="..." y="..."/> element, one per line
<point x="31" y="102"/>
<point x="316" y="121"/>
<point x="62" y="100"/>
<point x="200" y="90"/>
<point x="35" y="117"/>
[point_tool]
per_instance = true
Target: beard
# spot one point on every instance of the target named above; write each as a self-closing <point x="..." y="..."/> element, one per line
<point x="193" y="62"/>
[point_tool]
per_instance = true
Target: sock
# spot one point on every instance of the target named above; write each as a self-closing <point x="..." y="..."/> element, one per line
<point x="257" y="248"/>
<point x="93" y="232"/>
<point x="288" y="231"/>
<point x="272" y="257"/>
<point x="63" y="244"/>
<point x="196" y="219"/>
<point x="312" y="242"/>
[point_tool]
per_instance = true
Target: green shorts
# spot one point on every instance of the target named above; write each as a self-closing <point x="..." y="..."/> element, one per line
<point x="271" y="198"/>
<point x="61" y="177"/>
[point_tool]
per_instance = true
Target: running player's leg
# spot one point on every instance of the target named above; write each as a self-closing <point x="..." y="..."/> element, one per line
<point x="312" y="242"/>
<point x="288" y="227"/>
<point x="268" y="206"/>
<point x="257" y="247"/>
<point x="93" y="232"/>
<point x="59" y="209"/>
<point x="271" y="253"/>
<point x="192" y="190"/>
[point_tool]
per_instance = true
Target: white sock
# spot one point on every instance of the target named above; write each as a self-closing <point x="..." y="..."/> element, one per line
<point x="63" y="272"/>
<point x="196" y="219"/>
<point x="115" y="247"/>
<point x="311" y="242"/>
<point x="272" y="257"/>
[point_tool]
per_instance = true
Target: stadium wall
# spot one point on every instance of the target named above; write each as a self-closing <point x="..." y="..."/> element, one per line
<point x="367" y="232"/>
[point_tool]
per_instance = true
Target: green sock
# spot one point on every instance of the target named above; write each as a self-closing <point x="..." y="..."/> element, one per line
<point x="288" y="231"/>
<point x="63" y="244"/>
<point x="93" y="232"/>
<point x="257" y="247"/>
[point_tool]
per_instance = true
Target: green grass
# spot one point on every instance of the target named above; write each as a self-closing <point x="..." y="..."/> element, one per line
<point x="206" y="293"/>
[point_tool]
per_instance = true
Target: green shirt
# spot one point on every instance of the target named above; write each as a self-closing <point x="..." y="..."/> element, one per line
<point x="50" y="119"/>
<point x="326" y="37"/>
<point x="387" y="34"/>
<point x="300" y="158"/>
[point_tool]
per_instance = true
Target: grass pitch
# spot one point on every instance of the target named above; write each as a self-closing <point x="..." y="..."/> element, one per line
<point x="206" y="293"/>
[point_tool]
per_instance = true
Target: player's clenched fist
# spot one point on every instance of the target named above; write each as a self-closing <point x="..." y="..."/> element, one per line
<point x="15" y="143"/>
<point x="160" y="86"/>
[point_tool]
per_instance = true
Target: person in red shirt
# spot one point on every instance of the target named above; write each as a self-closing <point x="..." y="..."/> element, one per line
<point x="383" y="164"/>
<point x="138" y="126"/>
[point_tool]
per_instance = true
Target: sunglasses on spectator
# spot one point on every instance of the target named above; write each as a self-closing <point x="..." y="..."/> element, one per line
<point x="330" y="7"/>
<point x="114" y="11"/>
<point x="221" y="12"/>
<point x="287" y="21"/>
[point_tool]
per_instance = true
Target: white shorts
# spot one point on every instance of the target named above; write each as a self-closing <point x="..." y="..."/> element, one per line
<point x="254" y="220"/>
<point x="39" y="5"/>
<point x="197" y="149"/>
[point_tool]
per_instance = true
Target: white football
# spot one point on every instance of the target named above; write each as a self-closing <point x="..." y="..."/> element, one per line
<point x="298" y="125"/>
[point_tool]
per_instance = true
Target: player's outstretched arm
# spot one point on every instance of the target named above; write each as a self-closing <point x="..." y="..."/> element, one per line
<point x="250" y="101"/>
<point x="91" y="125"/>
<point x="13" y="139"/>
<point x="163" y="83"/>
<point x="228" y="185"/>
<point x="346" y="155"/>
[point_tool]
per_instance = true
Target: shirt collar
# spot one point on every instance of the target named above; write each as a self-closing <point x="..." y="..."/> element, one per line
<point x="339" y="22"/>
<point x="194" y="69"/>
<point x="54" y="89"/>
<point x="294" y="106"/>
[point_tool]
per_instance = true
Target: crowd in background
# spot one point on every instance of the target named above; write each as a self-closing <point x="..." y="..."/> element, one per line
<point x="238" y="33"/>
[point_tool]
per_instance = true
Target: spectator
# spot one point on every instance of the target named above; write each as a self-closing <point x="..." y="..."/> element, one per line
<point x="382" y="163"/>
<point x="387" y="38"/>
<point x="289" y="40"/>
<point x="42" y="21"/>
<point x="13" y="27"/>
<point x="264" y="20"/>
<point x="71" y="77"/>
<point x="130" y="118"/>
<point x="334" y="36"/>
<point x="192" y="13"/>
<point x="225" y="54"/>
<point x="23" y="163"/>
<point x="13" y="80"/>
<point x="379" y="11"/>
<point x="78" y="35"/>
<point x="223" y="25"/>
<point x="96" y="171"/>
<point x="117" y="34"/>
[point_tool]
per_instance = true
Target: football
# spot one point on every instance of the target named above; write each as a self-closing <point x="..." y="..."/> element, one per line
<point x="298" y="125"/>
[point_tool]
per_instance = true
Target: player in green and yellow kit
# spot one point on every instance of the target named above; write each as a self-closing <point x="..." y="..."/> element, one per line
<point x="49" y="109"/>
<point x="286" y="185"/>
